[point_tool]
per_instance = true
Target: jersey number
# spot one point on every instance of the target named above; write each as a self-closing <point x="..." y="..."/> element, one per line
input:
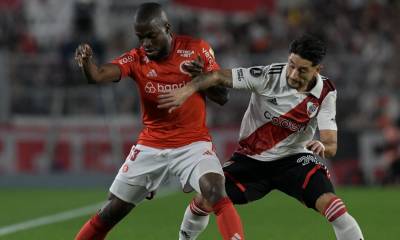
<point x="134" y="155"/>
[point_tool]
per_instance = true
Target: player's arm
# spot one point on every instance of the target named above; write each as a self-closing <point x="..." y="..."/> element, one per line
<point x="253" y="79"/>
<point x="329" y="139"/>
<point x="218" y="94"/>
<point x="327" y="144"/>
<point x="177" y="97"/>
<point x="92" y="72"/>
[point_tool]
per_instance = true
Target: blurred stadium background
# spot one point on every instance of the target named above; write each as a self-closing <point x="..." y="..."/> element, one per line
<point x="62" y="140"/>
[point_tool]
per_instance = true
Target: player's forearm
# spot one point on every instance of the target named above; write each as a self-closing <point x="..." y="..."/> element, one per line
<point x="95" y="74"/>
<point x="330" y="149"/>
<point x="205" y="81"/>
<point x="91" y="72"/>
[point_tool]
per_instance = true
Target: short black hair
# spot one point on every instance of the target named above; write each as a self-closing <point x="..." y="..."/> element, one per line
<point x="148" y="11"/>
<point x="309" y="47"/>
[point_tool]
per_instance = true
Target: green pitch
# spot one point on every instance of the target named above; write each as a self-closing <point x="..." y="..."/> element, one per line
<point x="275" y="217"/>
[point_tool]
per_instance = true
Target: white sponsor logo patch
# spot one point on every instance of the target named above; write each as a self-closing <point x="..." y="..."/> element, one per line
<point x="185" y="53"/>
<point x="210" y="58"/>
<point x="126" y="59"/>
<point x="152" y="87"/>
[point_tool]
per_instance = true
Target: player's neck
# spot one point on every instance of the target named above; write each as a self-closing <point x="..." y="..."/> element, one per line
<point x="311" y="84"/>
<point x="168" y="49"/>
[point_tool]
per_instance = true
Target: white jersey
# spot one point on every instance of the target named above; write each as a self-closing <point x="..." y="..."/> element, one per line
<point x="279" y="120"/>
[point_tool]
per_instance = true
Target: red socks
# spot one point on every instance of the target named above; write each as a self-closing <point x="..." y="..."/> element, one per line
<point x="94" y="229"/>
<point x="334" y="209"/>
<point x="228" y="220"/>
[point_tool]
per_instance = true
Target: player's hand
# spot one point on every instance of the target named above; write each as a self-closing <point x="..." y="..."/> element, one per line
<point x="175" y="98"/>
<point x="83" y="53"/>
<point x="316" y="147"/>
<point x="195" y="67"/>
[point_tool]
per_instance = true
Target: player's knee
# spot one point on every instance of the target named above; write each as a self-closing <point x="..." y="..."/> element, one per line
<point x="202" y="203"/>
<point x="323" y="201"/>
<point x="115" y="209"/>
<point x="212" y="186"/>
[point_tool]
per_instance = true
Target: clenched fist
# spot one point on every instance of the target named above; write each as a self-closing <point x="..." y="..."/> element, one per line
<point x="83" y="53"/>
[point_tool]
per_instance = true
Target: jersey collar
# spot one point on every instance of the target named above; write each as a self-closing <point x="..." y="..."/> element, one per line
<point x="317" y="89"/>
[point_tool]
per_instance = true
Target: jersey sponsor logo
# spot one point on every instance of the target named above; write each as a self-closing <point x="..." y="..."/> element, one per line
<point x="285" y="123"/>
<point x="181" y="67"/>
<point x="305" y="160"/>
<point x="152" y="73"/>
<point x="312" y="109"/>
<point x="126" y="59"/>
<point x="210" y="58"/>
<point x="151" y="87"/>
<point x="240" y="74"/>
<point x="185" y="53"/>
<point x="256" y="72"/>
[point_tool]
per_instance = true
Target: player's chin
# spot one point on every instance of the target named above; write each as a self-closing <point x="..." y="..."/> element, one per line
<point x="154" y="54"/>
<point x="292" y="83"/>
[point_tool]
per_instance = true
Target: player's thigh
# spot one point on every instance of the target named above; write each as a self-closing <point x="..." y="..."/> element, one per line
<point x="144" y="167"/>
<point x="198" y="177"/>
<point x="128" y="193"/>
<point x="245" y="179"/>
<point x="304" y="178"/>
<point x="318" y="185"/>
<point x="193" y="161"/>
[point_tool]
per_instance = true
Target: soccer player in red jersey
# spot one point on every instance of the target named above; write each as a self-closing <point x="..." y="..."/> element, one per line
<point x="179" y="143"/>
<point x="289" y="101"/>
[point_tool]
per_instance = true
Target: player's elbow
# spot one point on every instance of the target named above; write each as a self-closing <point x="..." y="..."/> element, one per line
<point x="221" y="100"/>
<point x="224" y="98"/>
<point x="218" y="94"/>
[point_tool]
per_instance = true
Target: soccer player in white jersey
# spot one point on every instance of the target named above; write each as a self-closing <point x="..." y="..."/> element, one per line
<point x="276" y="146"/>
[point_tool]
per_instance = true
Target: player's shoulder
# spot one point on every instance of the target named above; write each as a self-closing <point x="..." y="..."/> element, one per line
<point x="135" y="52"/>
<point x="275" y="68"/>
<point x="328" y="83"/>
<point x="132" y="55"/>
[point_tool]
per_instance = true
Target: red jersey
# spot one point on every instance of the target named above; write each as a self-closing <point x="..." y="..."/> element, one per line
<point x="185" y="124"/>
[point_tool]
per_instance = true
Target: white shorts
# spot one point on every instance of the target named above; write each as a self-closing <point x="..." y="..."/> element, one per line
<point x="148" y="167"/>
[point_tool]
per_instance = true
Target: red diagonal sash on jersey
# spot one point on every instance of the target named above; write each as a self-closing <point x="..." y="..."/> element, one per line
<point x="268" y="135"/>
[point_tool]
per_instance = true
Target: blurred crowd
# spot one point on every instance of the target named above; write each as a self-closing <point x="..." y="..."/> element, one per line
<point x="38" y="38"/>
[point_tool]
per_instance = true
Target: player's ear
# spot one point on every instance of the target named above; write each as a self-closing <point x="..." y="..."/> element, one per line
<point x="318" y="68"/>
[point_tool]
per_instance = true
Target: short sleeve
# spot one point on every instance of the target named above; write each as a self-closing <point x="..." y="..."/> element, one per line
<point x="124" y="62"/>
<point x="207" y="53"/>
<point x="327" y="114"/>
<point x="254" y="78"/>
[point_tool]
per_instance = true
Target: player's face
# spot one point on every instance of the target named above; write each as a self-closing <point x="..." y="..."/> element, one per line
<point x="155" y="39"/>
<point x="300" y="72"/>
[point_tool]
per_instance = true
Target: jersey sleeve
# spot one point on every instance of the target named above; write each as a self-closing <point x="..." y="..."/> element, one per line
<point x="327" y="114"/>
<point x="207" y="54"/>
<point x="124" y="62"/>
<point x="254" y="78"/>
